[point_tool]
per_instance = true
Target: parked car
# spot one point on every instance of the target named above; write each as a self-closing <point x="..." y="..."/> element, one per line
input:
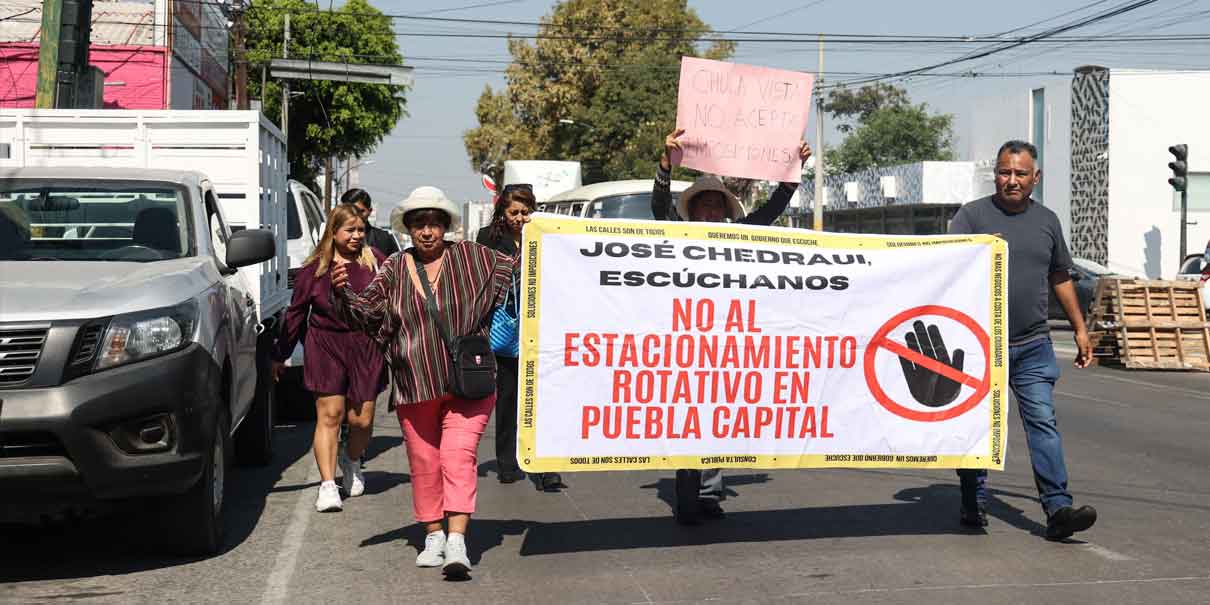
<point x="1084" y="276"/>
<point x="612" y="199"/>
<point x="135" y="313"/>
<point x="1197" y="267"/>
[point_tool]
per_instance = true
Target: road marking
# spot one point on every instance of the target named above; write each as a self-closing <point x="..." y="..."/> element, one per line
<point x="1160" y="387"/>
<point x="940" y="587"/>
<point x="277" y="587"/>
<point x="1103" y="552"/>
<point x="1094" y="399"/>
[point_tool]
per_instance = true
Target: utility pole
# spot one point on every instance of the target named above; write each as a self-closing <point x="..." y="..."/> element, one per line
<point x="285" y="91"/>
<point x="64" y="77"/>
<point x="817" y="151"/>
<point x="241" y="58"/>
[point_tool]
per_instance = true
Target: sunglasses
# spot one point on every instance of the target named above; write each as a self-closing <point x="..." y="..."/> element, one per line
<point x="515" y="186"/>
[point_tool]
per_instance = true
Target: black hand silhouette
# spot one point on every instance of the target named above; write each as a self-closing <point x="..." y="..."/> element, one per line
<point x="927" y="386"/>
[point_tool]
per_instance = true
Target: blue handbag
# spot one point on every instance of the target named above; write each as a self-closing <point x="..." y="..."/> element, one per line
<point x="504" y="335"/>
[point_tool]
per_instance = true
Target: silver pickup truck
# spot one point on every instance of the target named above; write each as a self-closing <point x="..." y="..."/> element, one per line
<point x="132" y="361"/>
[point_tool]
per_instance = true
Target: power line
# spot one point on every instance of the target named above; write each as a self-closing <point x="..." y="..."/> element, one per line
<point x="1121" y="9"/>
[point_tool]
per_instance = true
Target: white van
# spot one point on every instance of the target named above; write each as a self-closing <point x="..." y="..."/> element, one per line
<point x="611" y="199"/>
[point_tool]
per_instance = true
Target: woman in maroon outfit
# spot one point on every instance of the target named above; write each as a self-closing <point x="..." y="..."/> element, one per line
<point x="342" y="367"/>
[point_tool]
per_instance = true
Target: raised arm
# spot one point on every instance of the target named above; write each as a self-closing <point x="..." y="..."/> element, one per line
<point x="661" y="191"/>
<point x="767" y="214"/>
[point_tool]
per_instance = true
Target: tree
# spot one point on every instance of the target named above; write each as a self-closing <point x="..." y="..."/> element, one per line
<point x="326" y="118"/>
<point x="598" y="85"/>
<point x="883" y="128"/>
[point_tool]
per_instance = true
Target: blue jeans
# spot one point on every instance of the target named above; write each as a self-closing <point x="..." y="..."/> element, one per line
<point x="1032" y="372"/>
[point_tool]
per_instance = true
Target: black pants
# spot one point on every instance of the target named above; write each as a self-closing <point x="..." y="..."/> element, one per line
<point x="506" y="414"/>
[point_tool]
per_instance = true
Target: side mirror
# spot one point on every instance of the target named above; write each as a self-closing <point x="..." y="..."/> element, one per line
<point x="249" y="247"/>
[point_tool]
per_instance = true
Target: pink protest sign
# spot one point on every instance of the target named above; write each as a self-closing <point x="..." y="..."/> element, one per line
<point x="742" y="120"/>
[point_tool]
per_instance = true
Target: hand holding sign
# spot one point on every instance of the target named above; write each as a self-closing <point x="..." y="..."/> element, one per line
<point x="927" y="386"/>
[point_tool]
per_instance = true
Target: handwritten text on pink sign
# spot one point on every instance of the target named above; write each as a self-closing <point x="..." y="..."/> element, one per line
<point x="742" y="120"/>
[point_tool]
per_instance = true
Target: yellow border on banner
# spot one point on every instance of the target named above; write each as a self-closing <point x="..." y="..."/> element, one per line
<point x="528" y="383"/>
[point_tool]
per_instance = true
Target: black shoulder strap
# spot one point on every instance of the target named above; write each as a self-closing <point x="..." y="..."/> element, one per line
<point x="430" y="302"/>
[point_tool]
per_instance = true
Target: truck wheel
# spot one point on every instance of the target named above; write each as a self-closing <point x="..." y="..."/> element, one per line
<point x="254" y="439"/>
<point x="195" y="522"/>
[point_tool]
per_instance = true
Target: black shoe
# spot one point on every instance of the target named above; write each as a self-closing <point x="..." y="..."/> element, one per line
<point x="551" y="482"/>
<point x="710" y="509"/>
<point x="973" y="518"/>
<point x="1067" y="521"/>
<point x="510" y="476"/>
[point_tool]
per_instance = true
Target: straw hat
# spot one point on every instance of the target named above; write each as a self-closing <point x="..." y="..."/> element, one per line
<point x="704" y="183"/>
<point x="423" y="198"/>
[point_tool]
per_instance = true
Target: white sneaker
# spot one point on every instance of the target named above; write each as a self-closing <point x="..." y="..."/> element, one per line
<point x="456" y="562"/>
<point x="353" y="481"/>
<point x="329" y="498"/>
<point x="433" y="554"/>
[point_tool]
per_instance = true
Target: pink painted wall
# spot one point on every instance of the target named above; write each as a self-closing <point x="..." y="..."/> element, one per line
<point x="141" y="70"/>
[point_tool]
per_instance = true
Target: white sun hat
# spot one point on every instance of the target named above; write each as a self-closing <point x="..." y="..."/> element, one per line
<point x="704" y="183"/>
<point x="424" y="198"/>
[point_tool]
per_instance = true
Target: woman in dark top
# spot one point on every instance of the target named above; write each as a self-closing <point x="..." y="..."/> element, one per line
<point x="343" y="367"/>
<point x="513" y="207"/>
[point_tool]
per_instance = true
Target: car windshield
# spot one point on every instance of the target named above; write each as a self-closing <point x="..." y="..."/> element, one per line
<point x="44" y="220"/>
<point x="629" y="205"/>
<point x="1091" y="267"/>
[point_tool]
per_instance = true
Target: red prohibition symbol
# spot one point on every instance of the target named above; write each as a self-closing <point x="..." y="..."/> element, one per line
<point x="881" y="341"/>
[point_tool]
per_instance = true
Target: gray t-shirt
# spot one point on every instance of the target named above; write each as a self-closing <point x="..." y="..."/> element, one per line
<point x="1035" y="250"/>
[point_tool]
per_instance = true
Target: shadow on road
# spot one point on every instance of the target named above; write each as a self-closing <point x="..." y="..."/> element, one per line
<point x="127" y="541"/>
<point x="665" y="489"/>
<point x="947" y="498"/>
<point x="928" y="510"/>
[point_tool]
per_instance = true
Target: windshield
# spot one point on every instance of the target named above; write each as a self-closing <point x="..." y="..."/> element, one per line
<point x="630" y="205"/>
<point x="92" y="221"/>
<point x="1091" y="267"/>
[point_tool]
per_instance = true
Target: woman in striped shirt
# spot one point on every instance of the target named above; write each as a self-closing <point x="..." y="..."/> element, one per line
<point x="441" y="431"/>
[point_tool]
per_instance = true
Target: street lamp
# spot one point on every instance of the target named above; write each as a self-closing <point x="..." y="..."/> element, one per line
<point x="349" y="166"/>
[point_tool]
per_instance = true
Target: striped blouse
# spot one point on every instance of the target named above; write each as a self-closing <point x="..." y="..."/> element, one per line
<point x="391" y="311"/>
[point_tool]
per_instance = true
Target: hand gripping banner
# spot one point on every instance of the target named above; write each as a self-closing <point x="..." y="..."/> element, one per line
<point x="658" y="345"/>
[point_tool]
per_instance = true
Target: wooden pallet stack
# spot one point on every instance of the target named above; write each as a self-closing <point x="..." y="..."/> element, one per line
<point x="1150" y="324"/>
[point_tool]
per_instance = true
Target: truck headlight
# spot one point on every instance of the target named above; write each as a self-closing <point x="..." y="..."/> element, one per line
<point x="145" y="334"/>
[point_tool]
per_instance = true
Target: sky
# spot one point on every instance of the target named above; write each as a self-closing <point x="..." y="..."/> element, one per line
<point x="451" y="72"/>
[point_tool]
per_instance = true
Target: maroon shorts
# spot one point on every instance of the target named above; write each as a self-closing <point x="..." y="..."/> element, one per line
<point x="343" y="363"/>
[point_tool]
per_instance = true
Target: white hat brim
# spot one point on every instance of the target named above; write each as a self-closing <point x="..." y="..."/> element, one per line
<point x="702" y="185"/>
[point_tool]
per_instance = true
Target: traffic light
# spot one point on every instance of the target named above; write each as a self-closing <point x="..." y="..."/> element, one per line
<point x="1180" y="168"/>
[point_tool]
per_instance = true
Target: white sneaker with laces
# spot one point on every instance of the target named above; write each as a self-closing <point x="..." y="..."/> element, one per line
<point x="456" y="562"/>
<point x="352" y="481"/>
<point x="433" y="554"/>
<point x="329" y="498"/>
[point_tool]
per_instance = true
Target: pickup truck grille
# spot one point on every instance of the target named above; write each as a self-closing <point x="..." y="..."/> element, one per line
<point x="20" y="350"/>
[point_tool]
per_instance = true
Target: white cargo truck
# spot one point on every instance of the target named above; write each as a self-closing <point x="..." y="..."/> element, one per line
<point x="142" y="272"/>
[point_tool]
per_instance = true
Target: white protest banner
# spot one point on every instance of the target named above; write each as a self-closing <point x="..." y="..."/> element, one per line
<point x="654" y="345"/>
<point x="742" y="120"/>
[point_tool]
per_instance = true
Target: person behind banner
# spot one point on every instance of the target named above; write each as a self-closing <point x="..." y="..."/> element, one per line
<point x="462" y="283"/>
<point x="377" y="238"/>
<point x="342" y="367"/>
<point x="513" y="207"/>
<point x="700" y="493"/>
<point x="1038" y="256"/>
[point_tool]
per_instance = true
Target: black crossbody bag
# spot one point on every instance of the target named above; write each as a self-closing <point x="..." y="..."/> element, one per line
<point x="472" y="363"/>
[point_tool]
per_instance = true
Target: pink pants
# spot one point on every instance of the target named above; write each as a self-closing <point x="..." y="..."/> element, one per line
<point x="442" y="439"/>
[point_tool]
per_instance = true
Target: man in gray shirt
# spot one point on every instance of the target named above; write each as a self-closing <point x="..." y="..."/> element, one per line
<point x="1037" y="259"/>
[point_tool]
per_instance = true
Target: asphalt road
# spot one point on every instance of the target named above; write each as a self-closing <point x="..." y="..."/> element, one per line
<point x="1136" y="448"/>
